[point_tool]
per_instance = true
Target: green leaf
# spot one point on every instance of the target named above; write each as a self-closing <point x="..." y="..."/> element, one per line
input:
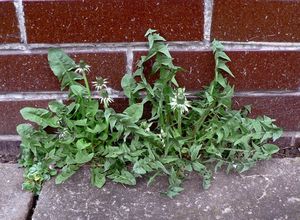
<point x="169" y="159"/>
<point x="40" y="116"/>
<point x="223" y="55"/>
<point x="194" y="151"/>
<point x="124" y="177"/>
<point x="92" y="108"/>
<point x="218" y="165"/>
<point x="221" y="80"/>
<point x="138" y="169"/>
<point x="149" y="31"/>
<point x="188" y="167"/>
<point x="25" y="130"/>
<point x="157" y="37"/>
<point x="197" y="166"/>
<point x="213" y="150"/>
<point x="70" y="78"/>
<point x="277" y="134"/>
<point x="59" y="62"/>
<point x="83" y="157"/>
<point x="81" y="144"/>
<point x="114" y="152"/>
<point x="81" y="122"/>
<point x="66" y="173"/>
<point x="135" y="111"/>
<point x="150" y="40"/>
<point x="204" y="172"/>
<point x="209" y="98"/>
<point x="216" y="45"/>
<point x="56" y="106"/>
<point x="98" y="177"/>
<point x="174" y="191"/>
<point x="164" y="49"/>
<point x="158" y="164"/>
<point x="78" y="90"/>
<point x="152" y="178"/>
<point x="223" y="66"/>
<point x="270" y="148"/>
<point x="97" y="129"/>
<point x="128" y="84"/>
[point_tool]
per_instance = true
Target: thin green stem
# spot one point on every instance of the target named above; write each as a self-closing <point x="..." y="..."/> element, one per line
<point x="179" y="122"/>
<point x="87" y="86"/>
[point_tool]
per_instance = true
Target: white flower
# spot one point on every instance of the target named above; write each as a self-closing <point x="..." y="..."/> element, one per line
<point x="162" y="137"/>
<point x="51" y="166"/>
<point x="82" y="68"/>
<point x="180" y="102"/>
<point x="100" y="83"/>
<point x="106" y="101"/>
<point x="104" y="98"/>
<point x="63" y="134"/>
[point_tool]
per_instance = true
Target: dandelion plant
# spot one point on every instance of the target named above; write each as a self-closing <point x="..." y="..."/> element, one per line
<point x="179" y="136"/>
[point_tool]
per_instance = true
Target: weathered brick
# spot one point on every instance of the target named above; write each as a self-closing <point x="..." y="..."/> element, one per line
<point x="11" y="116"/>
<point x="252" y="20"/>
<point x="9" y="31"/>
<point x="284" y="109"/>
<point x="10" y="149"/>
<point x="31" y="72"/>
<point x="253" y="70"/>
<point x="112" y="21"/>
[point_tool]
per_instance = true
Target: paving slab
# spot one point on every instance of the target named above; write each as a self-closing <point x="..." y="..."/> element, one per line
<point x="271" y="190"/>
<point x="15" y="203"/>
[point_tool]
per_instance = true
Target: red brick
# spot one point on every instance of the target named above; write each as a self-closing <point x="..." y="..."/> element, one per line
<point x="112" y="21"/>
<point x="11" y="116"/>
<point x="9" y="31"/>
<point x="253" y="70"/>
<point x="11" y="148"/>
<point x="284" y="109"/>
<point x="252" y="20"/>
<point x="31" y="72"/>
<point x="119" y="104"/>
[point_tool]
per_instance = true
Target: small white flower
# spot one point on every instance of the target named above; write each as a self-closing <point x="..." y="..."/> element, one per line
<point x="104" y="98"/>
<point x="63" y="134"/>
<point x="82" y="68"/>
<point x="100" y="83"/>
<point x="179" y="101"/>
<point x="162" y="137"/>
<point x="51" y="166"/>
<point x="106" y="101"/>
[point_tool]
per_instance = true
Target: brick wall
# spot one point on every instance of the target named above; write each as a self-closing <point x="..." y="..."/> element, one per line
<point x="261" y="36"/>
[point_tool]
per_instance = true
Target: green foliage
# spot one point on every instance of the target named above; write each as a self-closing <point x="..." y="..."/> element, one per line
<point x="180" y="136"/>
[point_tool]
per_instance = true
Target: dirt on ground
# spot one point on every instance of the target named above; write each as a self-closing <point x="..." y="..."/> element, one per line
<point x="6" y="158"/>
<point x="288" y="152"/>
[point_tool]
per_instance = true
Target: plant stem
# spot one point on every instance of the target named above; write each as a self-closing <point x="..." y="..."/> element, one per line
<point x="179" y="122"/>
<point x="87" y="86"/>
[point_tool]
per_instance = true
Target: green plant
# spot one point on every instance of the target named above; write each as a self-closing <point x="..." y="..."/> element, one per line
<point x="180" y="135"/>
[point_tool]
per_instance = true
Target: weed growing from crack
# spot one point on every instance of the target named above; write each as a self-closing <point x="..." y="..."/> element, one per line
<point x="180" y="135"/>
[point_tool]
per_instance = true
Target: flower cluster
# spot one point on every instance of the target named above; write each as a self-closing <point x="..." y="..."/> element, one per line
<point x="100" y="86"/>
<point x="63" y="133"/>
